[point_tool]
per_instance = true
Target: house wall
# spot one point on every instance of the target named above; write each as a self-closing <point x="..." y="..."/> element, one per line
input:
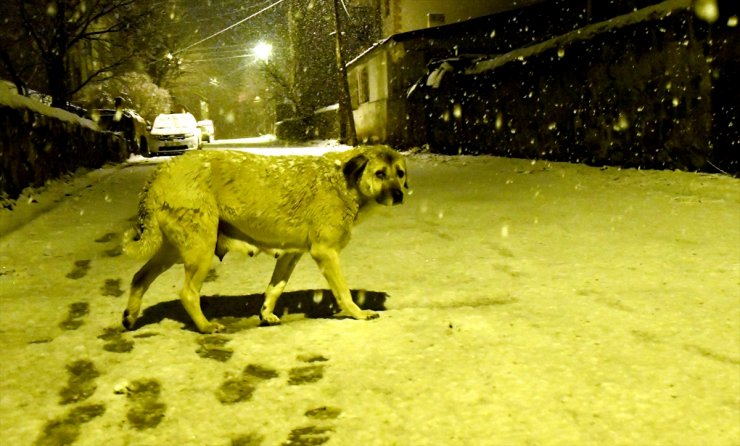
<point x="406" y="62"/>
<point x="378" y="88"/>
<point x="369" y="95"/>
<point x="371" y="121"/>
<point x="643" y="95"/>
<point x="406" y="56"/>
<point x="658" y="93"/>
<point x="399" y="16"/>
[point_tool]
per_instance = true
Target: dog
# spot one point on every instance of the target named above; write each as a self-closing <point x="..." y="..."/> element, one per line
<point x="211" y="202"/>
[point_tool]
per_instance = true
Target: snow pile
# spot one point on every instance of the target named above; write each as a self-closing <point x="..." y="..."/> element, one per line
<point x="35" y="201"/>
<point x="10" y="99"/>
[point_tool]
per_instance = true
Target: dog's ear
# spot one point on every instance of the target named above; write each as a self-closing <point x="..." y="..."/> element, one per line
<point x="354" y="168"/>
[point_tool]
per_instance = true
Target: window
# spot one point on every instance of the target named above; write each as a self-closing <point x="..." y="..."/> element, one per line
<point x="363" y="87"/>
<point x="353" y="95"/>
<point x="435" y="19"/>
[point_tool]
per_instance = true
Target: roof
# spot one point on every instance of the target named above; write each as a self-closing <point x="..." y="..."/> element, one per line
<point x="654" y="12"/>
<point x="483" y="26"/>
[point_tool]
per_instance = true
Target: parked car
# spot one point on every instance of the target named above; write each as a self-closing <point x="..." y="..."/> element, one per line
<point x="127" y="122"/>
<point x="207" y="130"/>
<point x="174" y="133"/>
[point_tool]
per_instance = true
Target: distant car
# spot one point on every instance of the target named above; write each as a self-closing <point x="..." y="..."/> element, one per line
<point x="174" y="133"/>
<point x="132" y="126"/>
<point x="206" y="129"/>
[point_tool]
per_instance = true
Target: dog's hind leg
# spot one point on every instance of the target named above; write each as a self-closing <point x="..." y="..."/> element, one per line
<point x="161" y="262"/>
<point x="197" y="265"/>
<point x="283" y="269"/>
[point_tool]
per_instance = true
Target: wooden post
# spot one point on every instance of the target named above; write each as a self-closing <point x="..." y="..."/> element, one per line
<point x="347" y="132"/>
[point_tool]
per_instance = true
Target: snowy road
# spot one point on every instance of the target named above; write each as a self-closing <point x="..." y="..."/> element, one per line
<point x="525" y="304"/>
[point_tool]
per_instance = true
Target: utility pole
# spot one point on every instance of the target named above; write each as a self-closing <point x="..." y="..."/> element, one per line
<point x="347" y="132"/>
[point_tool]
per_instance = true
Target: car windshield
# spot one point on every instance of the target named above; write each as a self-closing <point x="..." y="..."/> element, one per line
<point x="174" y="121"/>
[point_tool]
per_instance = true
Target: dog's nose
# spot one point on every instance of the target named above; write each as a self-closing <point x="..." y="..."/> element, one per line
<point x="397" y="196"/>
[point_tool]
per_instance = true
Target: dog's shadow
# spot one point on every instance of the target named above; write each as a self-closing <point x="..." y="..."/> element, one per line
<point x="237" y="313"/>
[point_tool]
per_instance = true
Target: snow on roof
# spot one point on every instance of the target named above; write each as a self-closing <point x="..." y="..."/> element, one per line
<point x="659" y="11"/>
<point x="328" y="108"/>
<point x="372" y="48"/>
<point x="429" y="32"/>
<point x="14" y="100"/>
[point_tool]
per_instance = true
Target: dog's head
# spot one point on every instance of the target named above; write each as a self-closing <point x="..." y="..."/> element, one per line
<point x="378" y="173"/>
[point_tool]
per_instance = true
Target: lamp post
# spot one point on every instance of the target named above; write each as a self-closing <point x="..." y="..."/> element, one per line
<point x="263" y="51"/>
<point x="347" y="132"/>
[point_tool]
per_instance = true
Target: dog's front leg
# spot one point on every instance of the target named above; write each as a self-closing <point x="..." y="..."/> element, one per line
<point x="328" y="260"/>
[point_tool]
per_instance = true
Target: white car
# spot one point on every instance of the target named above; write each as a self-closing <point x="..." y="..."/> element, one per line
<point x="174" y="133"/>
<point x="206" y="128"/>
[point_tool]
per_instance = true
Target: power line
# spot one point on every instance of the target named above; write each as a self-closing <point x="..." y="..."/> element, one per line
<point x="242" y="56"/>
<point x="231" y="26"/>
<point x="218" y="52"/>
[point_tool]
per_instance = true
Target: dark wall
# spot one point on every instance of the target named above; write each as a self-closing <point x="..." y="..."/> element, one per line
<point x="723" y="46"/>
<point x="646" y="95"/>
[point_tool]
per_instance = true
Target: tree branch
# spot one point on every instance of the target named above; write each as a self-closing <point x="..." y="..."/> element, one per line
<point x="83" y="25"/>
<point x="97" y="73"/>
<point x="27" y="24"/>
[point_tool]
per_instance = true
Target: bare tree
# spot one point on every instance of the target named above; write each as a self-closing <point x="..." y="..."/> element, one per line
<point x="347" y="132"/>
<point x="73" y="41"/>
<point x="283" y="90"/>
<point x="16" y="62"/>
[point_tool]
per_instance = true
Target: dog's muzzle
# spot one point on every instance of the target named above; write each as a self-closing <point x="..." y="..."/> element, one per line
<point x="397" y="195"/>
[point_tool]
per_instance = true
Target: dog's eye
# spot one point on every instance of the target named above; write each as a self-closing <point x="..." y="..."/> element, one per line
<point x="400" y="173"/>
<point x="380" y="174"/>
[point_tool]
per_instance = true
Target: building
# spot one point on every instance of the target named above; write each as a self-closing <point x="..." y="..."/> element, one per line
<point x="380" y="78"/>
<point x="400" y="16"/>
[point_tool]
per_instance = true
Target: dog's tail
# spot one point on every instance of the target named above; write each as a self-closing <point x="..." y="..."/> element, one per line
<point x="145" y="238"/>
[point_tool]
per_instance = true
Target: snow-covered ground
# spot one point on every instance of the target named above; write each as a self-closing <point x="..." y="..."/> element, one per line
<point x="525" y="303"/>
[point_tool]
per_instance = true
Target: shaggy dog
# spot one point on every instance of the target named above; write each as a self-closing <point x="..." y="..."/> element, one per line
<point x="209" y="202"/>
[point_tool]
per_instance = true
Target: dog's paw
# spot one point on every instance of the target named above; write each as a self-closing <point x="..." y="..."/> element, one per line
<point x="128" y="320"/>
<point x="269" y="319"/>
<point x="212" y="327"/>
<point x="368" y="315"/>
<point x="360" y="315"/>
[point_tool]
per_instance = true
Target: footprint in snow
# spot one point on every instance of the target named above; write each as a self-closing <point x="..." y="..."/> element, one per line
<point x="213" y="347"/>
<point x="307" y="374"/>
<point x="112" y="287"/>
<point x="115" y="340"/>
<point x="66" y="429"/>
<point x="317" y="433"/>
<point x="145" y="409"/>
<point x="242" y="387"/>
<point x="80" y="382"/>
<point x="75" y="314"/>
<point x="80" y="270"/>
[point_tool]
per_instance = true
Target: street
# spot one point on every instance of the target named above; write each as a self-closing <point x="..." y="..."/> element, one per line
<point x="521" y="303"/>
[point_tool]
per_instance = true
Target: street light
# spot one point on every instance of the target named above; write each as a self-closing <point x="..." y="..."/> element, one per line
<point x="262" y="51"/>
